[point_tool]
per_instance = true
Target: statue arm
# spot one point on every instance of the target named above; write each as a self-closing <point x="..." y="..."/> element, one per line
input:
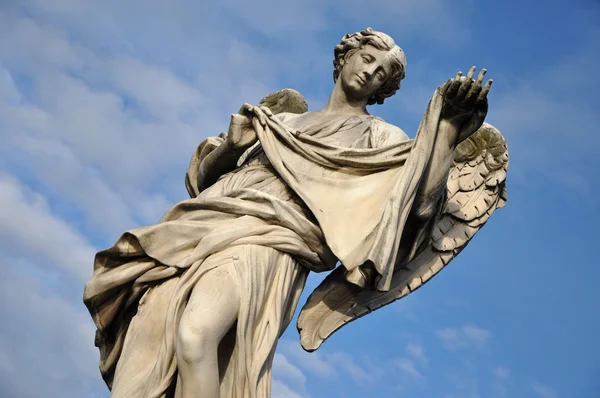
<point x="221" y="155"/>
<point x="224" y="158"/>
<point x="220" y="161"/>
<point x="464" y="110"/>
<point x="433" y="184"/>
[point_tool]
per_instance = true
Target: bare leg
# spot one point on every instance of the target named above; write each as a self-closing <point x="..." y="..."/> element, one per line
<point x="210" y="313"/>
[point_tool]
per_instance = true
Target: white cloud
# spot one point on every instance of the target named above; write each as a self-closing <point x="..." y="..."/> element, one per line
<point x="46" y="341"/>
<point x="91" y="141"/>
<point x="332" y="364"/>
<point x="282" y="368"/>
<point x="362" y="374"/>
<point x="501" y="372"/>
<point x="467" y="336"/>
<point x="47" y="335"/>
<point x="417" y="352"/>
<point x="502" y="380"/>
<point x="311" y="362"/>
<point x="465" y="383"/>
<point x="113" y="125"/>
<point x="28" y="226"/>
<point x="543" y="391"/>
<point x="281" y="390"/>
<point x="409" y="367"/>
<point x="288" y="380"/>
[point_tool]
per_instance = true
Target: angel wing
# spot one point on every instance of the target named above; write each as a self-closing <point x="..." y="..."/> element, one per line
<point x="475" y="189"/>
<point x="282" y="101"/>
<point x="285" y="101"/>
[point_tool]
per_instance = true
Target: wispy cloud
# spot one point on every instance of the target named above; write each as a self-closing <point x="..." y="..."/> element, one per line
<point x="501" y="380"/>
<point x="409" y="370"/>
<point x="463" y="383"/>
<point x="28" y="227"/>
<point x="46" y="335"/>
<point x="281" y="390"/>
<point x="361" y="374"/>
<point x="286" y="370"/>
<point x="417" y="352"/>
<point x="467" y="336"/>
<point x="45" y="338"/>
<point x="542" y="390"/>
<point x="102" y="103"/>
<point x="501" y="373"/>
<point x="409" y="367"/>
<point x="332" y="364"/>
<point x="288" y="380"/>
<point x="311" y="362"/>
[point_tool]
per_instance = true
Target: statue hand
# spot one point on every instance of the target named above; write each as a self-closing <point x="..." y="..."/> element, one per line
<point x="241" y="134"/>
<point x="463" y="95"/>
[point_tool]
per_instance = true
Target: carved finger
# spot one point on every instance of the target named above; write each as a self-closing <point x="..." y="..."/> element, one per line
<point x="464" y="88"/>
<point x="246" y="109"/>
<point x="481" y="76"/>
<point x="453" y="86"/>
<point x="473" y="93"/>
<point x="485" y="90"/>
<point x="260" y="114"/>
<point x="471" y="72"/>
<point x="445" y="87"/>
<point x="266" y="110"/>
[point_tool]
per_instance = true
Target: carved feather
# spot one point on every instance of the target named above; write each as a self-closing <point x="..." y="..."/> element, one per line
<point x="286" y="100"/>
<point x="475" y="189"/>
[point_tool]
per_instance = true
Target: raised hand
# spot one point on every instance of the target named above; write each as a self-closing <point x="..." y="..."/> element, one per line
<point x="241" y="134"/>
<point x="463" y="95"/>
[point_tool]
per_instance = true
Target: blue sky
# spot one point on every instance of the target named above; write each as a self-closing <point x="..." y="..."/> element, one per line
<point x="103" y="103"/>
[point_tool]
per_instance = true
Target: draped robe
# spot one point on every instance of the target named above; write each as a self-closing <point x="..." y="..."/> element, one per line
<point x="317" y="189"/>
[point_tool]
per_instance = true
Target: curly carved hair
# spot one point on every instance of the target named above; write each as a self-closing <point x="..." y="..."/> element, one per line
<point x="353" y="42"/>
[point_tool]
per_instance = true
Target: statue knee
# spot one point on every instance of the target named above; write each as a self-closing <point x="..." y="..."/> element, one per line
<point x="196" y="343"/>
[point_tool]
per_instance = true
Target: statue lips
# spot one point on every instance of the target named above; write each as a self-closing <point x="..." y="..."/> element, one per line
<point x="361" y="80"/>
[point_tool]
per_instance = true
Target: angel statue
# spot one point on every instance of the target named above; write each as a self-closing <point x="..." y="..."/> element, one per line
<point x="194" y="305"/>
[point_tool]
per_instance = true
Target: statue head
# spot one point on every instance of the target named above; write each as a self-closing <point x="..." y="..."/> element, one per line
<point x="369" y="64"/>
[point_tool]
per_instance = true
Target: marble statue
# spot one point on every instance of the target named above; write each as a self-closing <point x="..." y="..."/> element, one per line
<point x="194" y="305"/>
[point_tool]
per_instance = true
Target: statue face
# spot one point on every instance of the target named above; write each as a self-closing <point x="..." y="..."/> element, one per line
<point x="364" y="72"/>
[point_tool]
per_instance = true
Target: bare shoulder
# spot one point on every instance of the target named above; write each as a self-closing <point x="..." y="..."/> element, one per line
<point x="386" y="134"/>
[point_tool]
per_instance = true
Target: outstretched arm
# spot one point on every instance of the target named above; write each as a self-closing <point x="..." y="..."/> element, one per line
<point x="463" y="112"/>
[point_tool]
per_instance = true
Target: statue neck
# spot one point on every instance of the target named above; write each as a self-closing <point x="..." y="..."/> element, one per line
<point x="340" y="104"/>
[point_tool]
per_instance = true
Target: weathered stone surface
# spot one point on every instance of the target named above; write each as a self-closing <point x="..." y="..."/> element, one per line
<point x="194" y="305"/>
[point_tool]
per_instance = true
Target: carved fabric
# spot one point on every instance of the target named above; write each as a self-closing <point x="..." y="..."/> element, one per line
<point x="476" y="187"/>
<point x="303" y="196"/>
<point x="264" y="314"/>
<point x="250" y="206"/>
<point x="361" y="197"/>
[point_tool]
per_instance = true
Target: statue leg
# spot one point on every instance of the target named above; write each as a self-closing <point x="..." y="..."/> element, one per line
<point x="210" y="313"/>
